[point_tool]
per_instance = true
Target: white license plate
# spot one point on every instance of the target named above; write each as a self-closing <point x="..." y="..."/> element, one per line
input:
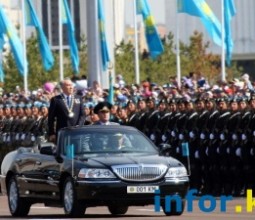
<point x="142" y="189"/>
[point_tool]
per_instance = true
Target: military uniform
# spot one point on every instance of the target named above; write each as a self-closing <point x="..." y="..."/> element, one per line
<point x="208" y="139"/>
<point x="152" y="119"/>
<point x="218" y="142"/>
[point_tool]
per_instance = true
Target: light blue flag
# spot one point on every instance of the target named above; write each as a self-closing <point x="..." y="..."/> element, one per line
<point x="111" y="91"/>
<point x="185" y="149"/>
<point x="7" y="28"/>
<point x="70" y="151"/>
<point x="2" y="42"/>
<point x="67" y="19"/>
<point x="152" y="37"/>
<point x="104" y="48"/>
<point x="32" y="20"/>
<point x="201" y="9"/>
<point x="230" y="11"/>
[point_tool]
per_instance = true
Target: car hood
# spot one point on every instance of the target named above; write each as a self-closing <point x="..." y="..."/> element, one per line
<point x="119" y="159"/>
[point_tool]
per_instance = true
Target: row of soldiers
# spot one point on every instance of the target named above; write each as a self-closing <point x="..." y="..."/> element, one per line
<point x="22" y="125"/>
<point x="220" y="135"/>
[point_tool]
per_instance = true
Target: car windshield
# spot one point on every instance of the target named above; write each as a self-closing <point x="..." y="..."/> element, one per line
<point x="101" y="142"/>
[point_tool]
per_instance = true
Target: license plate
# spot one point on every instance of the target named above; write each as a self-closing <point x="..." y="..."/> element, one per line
<point x="142" y="189"/>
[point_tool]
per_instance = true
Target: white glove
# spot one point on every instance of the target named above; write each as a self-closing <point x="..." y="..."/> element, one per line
<point x="238" y="152"/>
<point x="234" y="137"/>
<point x="218" y="150"/>
<point x="177" y="150"/>
<point x="196" y="154"/>
<point x="173" y="133"/>
<point x="17" y="137"/>
<point x="207" y="151"/>
<point x="181" y="136"/>
<point x="191" y="134"/>
<point x="33" y="138"/>
<point x="202" y="136"/>
<point x="228" y="150"/>
<point x="163" y="138"/>
<point x="23" y="137"/>
<point x="152" y="137"/>
<point x="211" y="136"/>
<point x="222" y="137"/>
<point x="244" y="137"/>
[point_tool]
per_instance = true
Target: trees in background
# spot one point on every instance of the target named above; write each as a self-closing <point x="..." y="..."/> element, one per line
<point x="194" y="58"/>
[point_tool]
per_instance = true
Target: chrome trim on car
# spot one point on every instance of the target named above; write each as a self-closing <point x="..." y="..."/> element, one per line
<point x="51" y="182"/>
<point x="140" y="172"/>
<point x="98" y="181"/>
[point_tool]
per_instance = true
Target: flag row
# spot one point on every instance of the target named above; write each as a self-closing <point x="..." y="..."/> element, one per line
<point x="198" y="8"/>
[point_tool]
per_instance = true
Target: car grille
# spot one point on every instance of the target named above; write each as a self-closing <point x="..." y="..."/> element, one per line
<point x="140" y="172"/>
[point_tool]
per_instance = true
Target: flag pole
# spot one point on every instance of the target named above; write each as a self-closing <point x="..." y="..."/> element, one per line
<point x="60" y="35"/>
<point x="178" y="60"/>
<point x="137" y="73"/>
<point x="223" y="66"/>
<point x="24" y="46"/>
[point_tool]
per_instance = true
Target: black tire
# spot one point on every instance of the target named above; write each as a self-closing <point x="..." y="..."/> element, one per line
<point x="173" y="211"/>
<point x="117" y="209"/>
<point x="18" y="207"/>
<point x="72" y="207"/>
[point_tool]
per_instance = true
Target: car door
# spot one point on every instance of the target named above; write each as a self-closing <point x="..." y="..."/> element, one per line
<point x="47" y="172"/>
<point x="24" y="164"/>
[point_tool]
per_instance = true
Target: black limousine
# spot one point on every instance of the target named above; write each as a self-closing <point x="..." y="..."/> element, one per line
<point x="113" y="166"/>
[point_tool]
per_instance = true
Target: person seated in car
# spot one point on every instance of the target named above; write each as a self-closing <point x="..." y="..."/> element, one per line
<point x="118" y="142"/>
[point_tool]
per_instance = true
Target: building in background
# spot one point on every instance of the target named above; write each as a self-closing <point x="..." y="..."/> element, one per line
<point x="243" y="24"/>
<point x="243" y="29"/>
<point x="130" y="35"/>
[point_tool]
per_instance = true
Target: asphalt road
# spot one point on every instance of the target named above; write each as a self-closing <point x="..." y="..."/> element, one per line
<point x="38" y="211"/>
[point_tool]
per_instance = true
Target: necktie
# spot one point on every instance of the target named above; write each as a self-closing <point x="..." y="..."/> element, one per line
<point x="68" y="101"/>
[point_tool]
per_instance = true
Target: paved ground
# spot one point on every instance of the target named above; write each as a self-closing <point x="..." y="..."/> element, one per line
<point x="38" y="211"/>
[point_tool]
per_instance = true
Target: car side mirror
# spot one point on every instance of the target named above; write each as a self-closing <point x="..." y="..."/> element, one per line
<point x="165" y="149"/>
<point x="47" y="148"/>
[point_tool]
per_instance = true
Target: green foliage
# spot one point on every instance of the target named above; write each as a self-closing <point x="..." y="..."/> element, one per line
<point x="37" y="76"/>
<point x="125" y="61"/>
<point x="194" y="58"/>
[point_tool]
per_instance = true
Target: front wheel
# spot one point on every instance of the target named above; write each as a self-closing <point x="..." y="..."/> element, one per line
<point x="17" y="206"/>
<point x="72" y="206"/>
<point x="118" y="209"/>
<point x="174" y="209"/>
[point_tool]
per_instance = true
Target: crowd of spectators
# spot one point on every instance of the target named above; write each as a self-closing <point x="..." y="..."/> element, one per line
<point x="192" y="86"/>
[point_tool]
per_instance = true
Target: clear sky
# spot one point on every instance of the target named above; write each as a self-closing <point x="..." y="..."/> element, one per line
<point x="157" y="8"/>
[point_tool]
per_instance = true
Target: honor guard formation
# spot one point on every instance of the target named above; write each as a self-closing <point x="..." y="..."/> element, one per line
<point x="216" y="124"/>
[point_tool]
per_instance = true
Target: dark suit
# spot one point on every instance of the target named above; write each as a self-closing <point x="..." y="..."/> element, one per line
<point x="58" y="110"/>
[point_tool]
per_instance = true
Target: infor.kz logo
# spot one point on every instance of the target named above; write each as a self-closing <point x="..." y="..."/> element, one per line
<point x="206" y="203"/>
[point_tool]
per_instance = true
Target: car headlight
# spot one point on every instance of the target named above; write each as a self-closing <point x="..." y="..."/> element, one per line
<point x="176" y="172"/>
<point x="96" y="174"/>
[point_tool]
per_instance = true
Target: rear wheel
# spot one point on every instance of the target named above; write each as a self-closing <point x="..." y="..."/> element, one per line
<point x="18" y="207"/>
<point x="72" y="206"/>
<point x="117" y="209"/>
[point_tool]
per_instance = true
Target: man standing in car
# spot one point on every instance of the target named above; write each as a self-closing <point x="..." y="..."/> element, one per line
<point x="66" y="109"/>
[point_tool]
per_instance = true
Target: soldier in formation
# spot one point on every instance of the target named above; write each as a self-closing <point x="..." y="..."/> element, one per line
<point x="220" y="134"/>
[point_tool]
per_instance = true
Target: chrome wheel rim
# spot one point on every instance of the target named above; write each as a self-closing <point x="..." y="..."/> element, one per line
<point x="68" y="197"/>
<point x="13" y="196"/>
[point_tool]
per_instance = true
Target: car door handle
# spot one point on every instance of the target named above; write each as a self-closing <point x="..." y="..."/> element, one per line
<point x="38" y="162"/>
